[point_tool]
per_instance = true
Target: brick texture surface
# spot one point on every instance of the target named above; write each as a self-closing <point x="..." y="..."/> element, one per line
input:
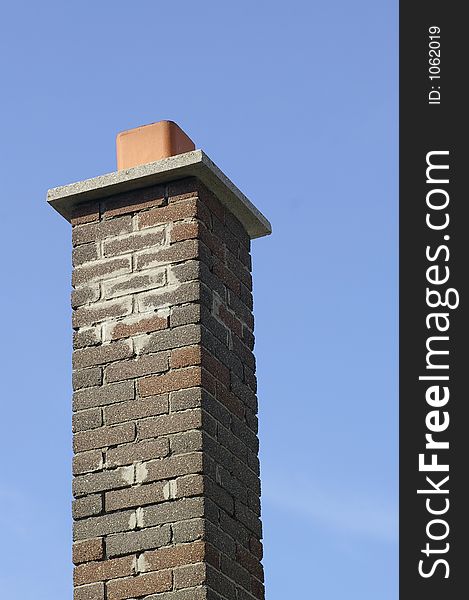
<point x="166" y="473"/>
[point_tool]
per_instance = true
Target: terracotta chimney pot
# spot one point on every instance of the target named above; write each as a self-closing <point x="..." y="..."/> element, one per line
<point x="150" y="143"/>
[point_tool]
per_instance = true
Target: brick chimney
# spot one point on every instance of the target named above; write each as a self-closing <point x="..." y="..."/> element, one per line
<point x="166" y="471"/>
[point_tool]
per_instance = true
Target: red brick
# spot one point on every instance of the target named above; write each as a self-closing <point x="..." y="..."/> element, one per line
<point x="216" y="368"/>
<point x="188" y="356"/>
<point x="181" y="231"/>
<point x="174" y="380"/>
<point x="173" y="212"/>
<point x="175" y="556"/>
<point x="237" y="229"/>
<point x="230" y="320"/>
<point x="85" y="213"/>
<point x="213" y="204"/>
<point x="245" y="257"/>
<point x="227" y="277"/>
<point x="134" y="201"/>
<point x="256" y="548"/>
<point x="87" y="551"/>
<point x="181" y="189"/>
<point x="143" y="585"/>
<point x="249" y="562"/>
<point x="209" y="383"/>
<point x="213" y="242"/>
<point x="257" y="589"/>
<point x="101" y="571"/>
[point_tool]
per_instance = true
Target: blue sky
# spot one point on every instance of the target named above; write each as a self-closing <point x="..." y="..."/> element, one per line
<point x="297" y="103"/>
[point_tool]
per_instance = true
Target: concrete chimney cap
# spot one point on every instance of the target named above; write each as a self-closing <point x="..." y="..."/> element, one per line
<point x="194" y="163"/>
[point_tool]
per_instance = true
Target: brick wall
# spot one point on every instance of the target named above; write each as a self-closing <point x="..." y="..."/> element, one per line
<point x="166" y="470"/>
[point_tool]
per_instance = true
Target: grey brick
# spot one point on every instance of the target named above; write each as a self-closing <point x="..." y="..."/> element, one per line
<point x="169" y="296"/>
<point x="243" y="392"/>
<point x="248" y="518"/>
<point x="137" y="452"/>
<point x="99" y="355"/>
<point x="141" y="366"/>
<point x="86" y="419"/>
<point x="220" y="496"/>
<point x="102" y="481"/>
<point x="189" y="576"/>
<point x="245" y="433"/>
<point x="84" y="295"/>
<point x="85" y="253"/>
<point x="167" y="339"/>
<point x="232" y="443"/>
<point x="104" y="525"/>
<point x="185" y="314"/>
<point x="87" y="336"/>
<point x="95" y="591"/>
<point x="87" y="506"/>
<point x="101" y="269"/>
<point x="103" y="437"/>
<point x="189" y="485"/>
<point x="98" y="231"/>
<point x="235" y="572"/>
<point x="190" y="441"/>
<point x="186" y="271"/>
<point x="138" y="408"/>
<point x="134" y="241"/>
<point x="188" y="531"/>
<point x="136" y="541"/>
<point x="221" y="539"/>
<point x="101" y="311"/>
<point x="103" y="395"/>
<point x="172" y="423"/>
<point x="138" y="495"/>
<point x="171" y="512"/>
<point x="132" y="284"/>
<point x="173" y="466"/>
<point x="87" y="378"/>
<point x="185" y="399"/>
<point x="196" y="593"/>
<point x="86" y="462"/>
<point x="220" y="583"/>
